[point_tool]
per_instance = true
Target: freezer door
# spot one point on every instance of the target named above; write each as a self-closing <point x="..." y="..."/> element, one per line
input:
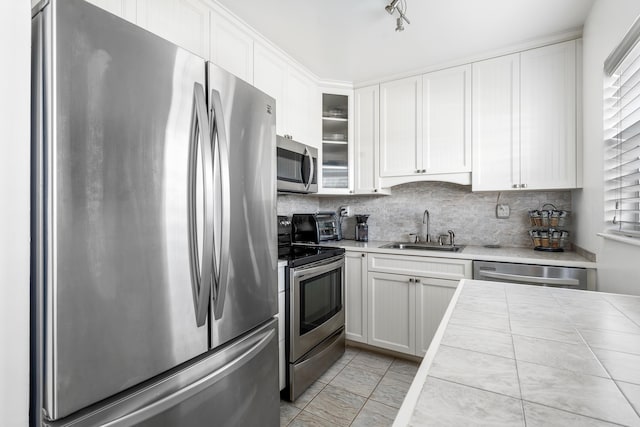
<point x="245" y="283"/>
<point x="235" y="386"/>
<point x="123" y="110"/>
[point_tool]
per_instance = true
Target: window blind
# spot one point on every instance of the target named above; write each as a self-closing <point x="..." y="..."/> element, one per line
<point x="622" y="137"/>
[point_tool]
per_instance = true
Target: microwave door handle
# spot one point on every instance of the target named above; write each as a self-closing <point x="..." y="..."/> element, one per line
<point x="311" y="169"/>
<point x="221" y="142"/>
<point x="530" y="279"/>
<point x="200" y="274"/>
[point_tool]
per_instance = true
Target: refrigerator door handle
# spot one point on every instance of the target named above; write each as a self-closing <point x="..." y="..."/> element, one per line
<point x="193" y="389"/>
<point x="200" y="274"/>
<point x="311" y="169"/>
<point x="221" y="142"/>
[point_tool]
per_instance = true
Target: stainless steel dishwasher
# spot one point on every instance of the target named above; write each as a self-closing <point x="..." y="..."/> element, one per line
<point x="528" y="274"/>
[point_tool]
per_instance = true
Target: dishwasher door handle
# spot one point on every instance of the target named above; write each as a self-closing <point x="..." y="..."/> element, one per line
<point x="530" y="279"/>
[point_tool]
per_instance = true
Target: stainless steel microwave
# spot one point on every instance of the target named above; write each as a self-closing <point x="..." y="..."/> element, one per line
<point x="297" y="167"/>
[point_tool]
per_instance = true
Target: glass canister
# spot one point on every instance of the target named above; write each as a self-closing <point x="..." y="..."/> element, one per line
<point x="362" y="229"/>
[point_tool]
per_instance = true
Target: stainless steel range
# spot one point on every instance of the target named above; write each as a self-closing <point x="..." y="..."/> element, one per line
<point x="315" y="336"/>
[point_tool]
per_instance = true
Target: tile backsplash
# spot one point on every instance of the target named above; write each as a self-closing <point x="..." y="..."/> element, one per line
<point x="451" y="207"/>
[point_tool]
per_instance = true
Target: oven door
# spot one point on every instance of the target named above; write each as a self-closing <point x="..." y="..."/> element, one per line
<point x="316" y="295"/>
<point x="297" y="167"/>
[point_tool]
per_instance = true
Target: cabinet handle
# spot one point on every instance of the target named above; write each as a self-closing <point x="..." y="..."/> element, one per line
<point x="417" y="280"/>
<point x="375" y="190"/>
<point x="363" y="255"/>
<point x="424" y="171"/>
<point x="411" y="280"/>
<point x="515" y="186"/>
<point x="523" y="185"/>
<point x="417" y="171"/>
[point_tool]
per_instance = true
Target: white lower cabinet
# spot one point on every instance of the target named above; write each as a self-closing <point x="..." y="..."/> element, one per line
<point x="356" y="296"/>
<point x="432" y="299"/>
<point x="392" y="312"/>
<point x="397" y="302"/>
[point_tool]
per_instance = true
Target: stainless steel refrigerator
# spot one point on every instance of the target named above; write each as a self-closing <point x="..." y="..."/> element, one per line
<point x="154" y="283"/>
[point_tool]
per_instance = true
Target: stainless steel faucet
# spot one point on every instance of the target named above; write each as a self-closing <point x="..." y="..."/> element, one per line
<point x="452" y="237"/>
<point x="425" y="220"/>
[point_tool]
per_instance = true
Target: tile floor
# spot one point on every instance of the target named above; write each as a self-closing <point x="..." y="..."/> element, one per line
<point x="363" y="388"/>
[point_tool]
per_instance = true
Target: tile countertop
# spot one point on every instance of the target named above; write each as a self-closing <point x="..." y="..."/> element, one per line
<point x="502" y="254"/>
<point x="516" y="355"/>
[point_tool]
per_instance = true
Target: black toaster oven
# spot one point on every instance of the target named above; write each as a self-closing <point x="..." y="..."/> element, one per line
<point x="315" y="228"/>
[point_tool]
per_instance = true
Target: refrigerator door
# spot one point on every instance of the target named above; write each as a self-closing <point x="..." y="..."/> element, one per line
<point x="116" y="241"/>
<point x="235" y="386"/>
<point x="245" y="279"/>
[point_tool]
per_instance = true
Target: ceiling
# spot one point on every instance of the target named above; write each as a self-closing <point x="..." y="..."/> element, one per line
<point x="355" y="40"/>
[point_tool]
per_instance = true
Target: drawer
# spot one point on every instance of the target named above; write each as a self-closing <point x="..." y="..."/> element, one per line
<point x="439" y="268"/>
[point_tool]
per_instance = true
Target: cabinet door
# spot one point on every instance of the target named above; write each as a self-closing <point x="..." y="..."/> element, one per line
<point x="496" y="127"/>
<point x="231" y="47"/>
<point x="446" y="120"/>
<point x="356" y="296"/>
<point x="270" y="76"/>
<point x="391" y="312"/>
<point x="123" y="8"/>
<point x="548" y="117"/>
<point x="303" y="110"/>
<point x="183" y="22"/>
<point x="366" y="138"/>
<point x="433" y="298"/>
<point x="401" y="127"/>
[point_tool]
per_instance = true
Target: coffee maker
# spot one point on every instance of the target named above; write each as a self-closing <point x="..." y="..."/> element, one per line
<point x="362" y="229"/>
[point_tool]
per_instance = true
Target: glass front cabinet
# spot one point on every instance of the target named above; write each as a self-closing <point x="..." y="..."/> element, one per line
<point x="337" y="135"/>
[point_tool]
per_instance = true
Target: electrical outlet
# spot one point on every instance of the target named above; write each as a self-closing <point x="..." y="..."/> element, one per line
<point x="345" y="211"/>
<point x="502" y="211"/>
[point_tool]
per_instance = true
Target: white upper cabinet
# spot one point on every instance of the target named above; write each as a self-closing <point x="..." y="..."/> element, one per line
<point x="296" y="95"/>
<point x="270" y="76"/>
<point x="123" y="8"/>
<point x="302" y="108"/>
<point x="548" y="117"/>
<point x="400" y="127"/>
<point x="425" y="128"/>
<point x="496" y="127"/>
<point x="231" y="46"/>
<point x="446" y="124"/>
<point x="183" y="22"/>
<point x="524" y="120"/>
<point x="366" y="140"/>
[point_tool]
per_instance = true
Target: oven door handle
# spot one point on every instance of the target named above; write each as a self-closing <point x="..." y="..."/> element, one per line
<point x="315" y="270"/>
<point x="530" y="279"/>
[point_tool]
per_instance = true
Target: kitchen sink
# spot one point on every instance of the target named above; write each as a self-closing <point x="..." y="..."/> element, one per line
<point x="423" y="247"/>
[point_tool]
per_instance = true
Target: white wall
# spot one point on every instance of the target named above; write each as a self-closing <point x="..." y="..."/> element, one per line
<point x="15" y="41"/>
<point x="618" y="266"/>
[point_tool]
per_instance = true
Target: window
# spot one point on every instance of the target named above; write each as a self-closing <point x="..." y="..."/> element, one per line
<point x="622" y="136"/>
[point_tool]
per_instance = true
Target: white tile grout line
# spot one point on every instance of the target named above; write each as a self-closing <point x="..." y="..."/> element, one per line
<point x="366" y="398"/>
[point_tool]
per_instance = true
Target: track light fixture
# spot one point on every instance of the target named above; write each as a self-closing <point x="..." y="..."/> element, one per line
<point x="391" y="7"/>
<point x="401" y="8"/>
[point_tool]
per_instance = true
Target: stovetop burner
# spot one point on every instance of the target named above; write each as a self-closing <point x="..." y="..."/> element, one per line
<point x="297" y="255"/>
